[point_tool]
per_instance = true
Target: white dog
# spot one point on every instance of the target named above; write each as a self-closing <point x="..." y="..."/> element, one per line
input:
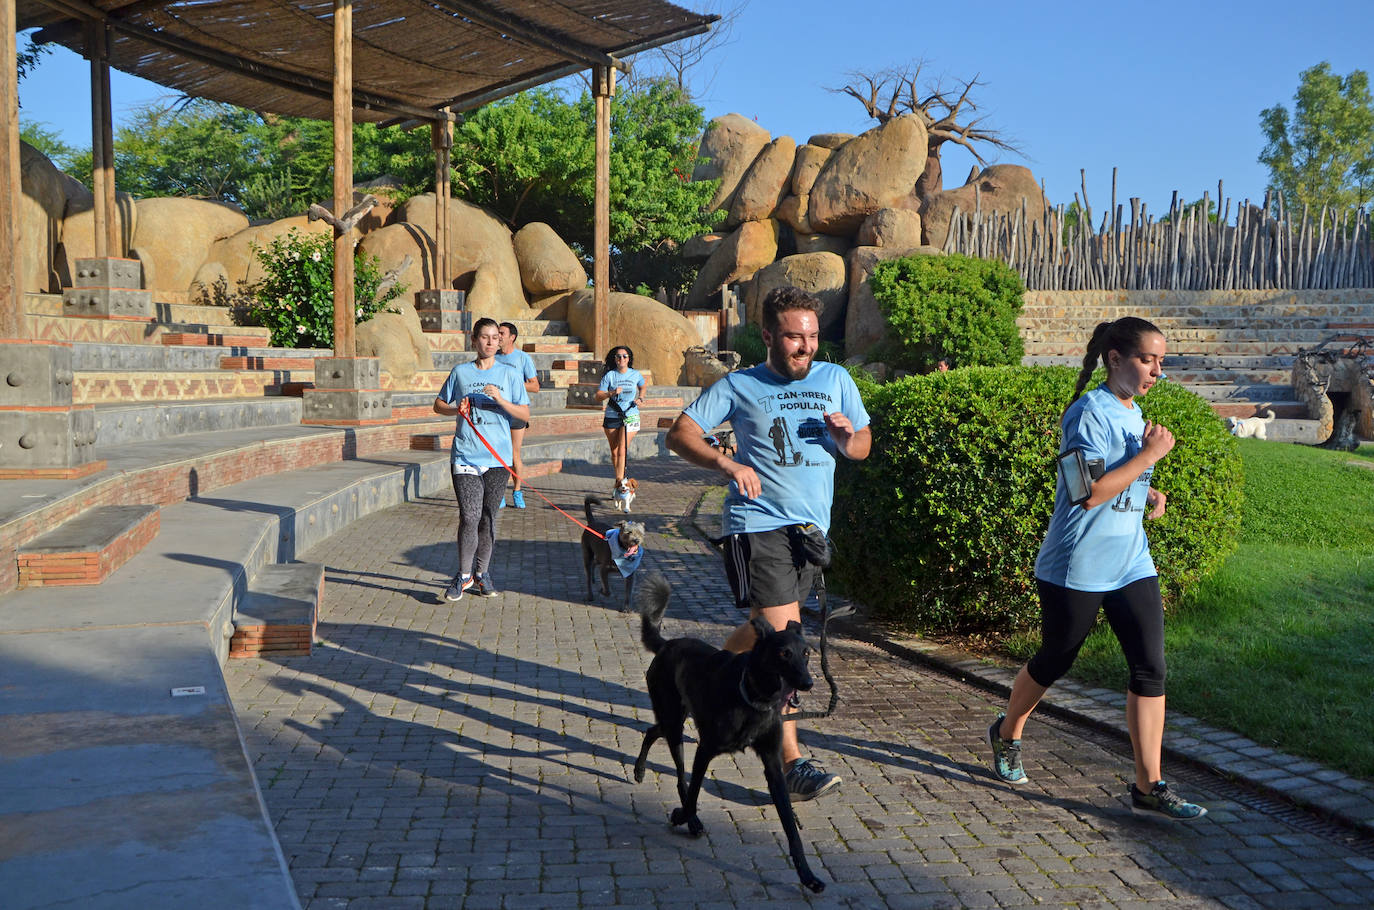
<point x="624" y="493"/>
<point x="1242" y="427"/>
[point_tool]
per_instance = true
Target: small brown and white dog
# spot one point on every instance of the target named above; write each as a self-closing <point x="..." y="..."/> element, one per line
<point x="612" y="548"/>
<point x="624" y="494"/>
<point x="1257" y="427"/>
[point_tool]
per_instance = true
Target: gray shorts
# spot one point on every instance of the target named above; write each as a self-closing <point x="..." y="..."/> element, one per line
<point x="768" y="569"/>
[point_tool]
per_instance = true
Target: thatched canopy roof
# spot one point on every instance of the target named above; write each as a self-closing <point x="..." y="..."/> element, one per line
<point x="410" y="57"/>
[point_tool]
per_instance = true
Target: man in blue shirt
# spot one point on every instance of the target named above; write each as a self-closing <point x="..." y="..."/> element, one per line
<point x="520" y="362"/>
<point x="791" y="417"/>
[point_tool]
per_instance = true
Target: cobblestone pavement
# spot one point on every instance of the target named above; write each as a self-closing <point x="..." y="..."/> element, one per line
<point x="477" y="755"/>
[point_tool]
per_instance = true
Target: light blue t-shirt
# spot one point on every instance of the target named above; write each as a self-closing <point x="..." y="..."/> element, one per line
<point x="1102" y="548"/>
<point x="626" y="387"/>
<point x="780" y="432"/>
<point x="491" y="420"/>
<point x="519" y="361"/>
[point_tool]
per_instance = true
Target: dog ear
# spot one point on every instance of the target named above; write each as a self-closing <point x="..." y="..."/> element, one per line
<point x="794" y="626"/>
<point x="761" y="628"/>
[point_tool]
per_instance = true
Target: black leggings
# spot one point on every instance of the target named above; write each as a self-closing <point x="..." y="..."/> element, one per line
<point x="1136" y="615"/>
<point x="479" y="497"/>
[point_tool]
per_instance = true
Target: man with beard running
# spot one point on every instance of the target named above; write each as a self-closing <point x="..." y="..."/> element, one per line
<point x="791" y="417"/>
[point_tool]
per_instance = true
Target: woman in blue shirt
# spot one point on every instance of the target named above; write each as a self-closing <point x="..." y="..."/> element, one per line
<point x="622" y="388"/>
<point x="1095" y="555"/>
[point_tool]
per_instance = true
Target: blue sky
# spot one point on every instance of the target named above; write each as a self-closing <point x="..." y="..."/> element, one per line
<point x="1167" y="92"/>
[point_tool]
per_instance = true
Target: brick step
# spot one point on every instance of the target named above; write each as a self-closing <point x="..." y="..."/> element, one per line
<point x="1361" y="328"/>
<point x="542" y="347"/>
<point x="163" y="310"/>
<point x="116" y="387"/>
<point x="212" y="339"/>
<point x="1230" y="391"/>
<point x="88" y="548"/>
<point x="282" y="361"/>
<point x="280" y="612"/>
<point x="1285" y="409"/>
<point x="126" y="331"/>
<point x="147" y="357"/>
<point x="1181" y="362"/>
<point x="1277" y="309"/>
<point x="447" y="360"/>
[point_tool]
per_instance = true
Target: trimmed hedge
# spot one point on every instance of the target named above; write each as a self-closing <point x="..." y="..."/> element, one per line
<point x="940" y="526"/>
<point x="953" y="307"/>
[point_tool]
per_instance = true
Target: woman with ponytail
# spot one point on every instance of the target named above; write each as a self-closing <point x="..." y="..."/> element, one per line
<point x="1095" y="556"/>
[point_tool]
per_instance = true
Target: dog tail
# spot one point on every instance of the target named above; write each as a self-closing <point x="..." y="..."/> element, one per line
<point x="652" y="600"/>
<point x="591" y="500"/>
<point x="1270" y="418"/>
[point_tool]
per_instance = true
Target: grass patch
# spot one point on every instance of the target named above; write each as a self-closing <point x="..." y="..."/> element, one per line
<point x="1278" y="644"/>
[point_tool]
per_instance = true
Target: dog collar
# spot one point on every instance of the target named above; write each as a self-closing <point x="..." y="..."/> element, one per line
<point x="748" y="699"/>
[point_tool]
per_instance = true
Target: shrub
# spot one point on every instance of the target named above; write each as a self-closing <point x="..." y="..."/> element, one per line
<point x="953" y="307"/>
<point x="940" y="526"/>
<point x="295" y="297"/>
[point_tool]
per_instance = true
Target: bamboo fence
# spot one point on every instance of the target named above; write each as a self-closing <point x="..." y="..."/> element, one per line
<point x="1265" y="247"/>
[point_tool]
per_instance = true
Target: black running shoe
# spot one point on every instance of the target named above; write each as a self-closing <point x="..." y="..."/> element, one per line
<point x="485" y="588"/>
<point x="1164" y="802"/>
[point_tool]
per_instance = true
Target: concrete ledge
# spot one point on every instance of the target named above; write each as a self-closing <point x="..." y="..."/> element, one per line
<point x="88" y="548"/>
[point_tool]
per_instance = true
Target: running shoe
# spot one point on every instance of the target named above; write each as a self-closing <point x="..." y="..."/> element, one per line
<point x="1006" y="754"/>
<point x="485" y="588"/>
<point x="455" y="589"/>
<point x="807" y="780"/>
<point x="518" y="499"/>
<point x="1164" y="802"/>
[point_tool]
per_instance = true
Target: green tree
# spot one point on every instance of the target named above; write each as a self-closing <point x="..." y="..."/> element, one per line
<point x="1323" y="154"/>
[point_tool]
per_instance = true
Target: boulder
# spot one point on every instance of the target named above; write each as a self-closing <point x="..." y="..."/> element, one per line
<point x="864" y="322"/>
<point x="728" y="146"/>
<point x="749" y="248"/>
<point x="397" y="339"/>
<point x="866" y="174"/>
<point x="807" y="166"/>
<point x="765" y="183"/>
<point x="700" y="247"/>
<point x="392" y="245"/>
<point x="547" y="264"/>
<point x="829" y="140"/>
<point x="702" y="368"/>
<point x="42" y="205"/>
<point x="658" y="335"/>
<point x="552" y="306"/>
<point x="822" y="243"/>
<point x="481" y="256"/>
<point x="173" y="237"/>
<point x="820" y="274"/>
<point x="792" y="212"/>
<point x="1000" y="188"/>
<point x="899" y="228"/>
<point x="78" y="233"/>
<point x="232" y="259"/>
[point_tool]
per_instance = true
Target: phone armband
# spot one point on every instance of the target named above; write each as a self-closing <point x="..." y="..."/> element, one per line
<point x="1078" y="473"/>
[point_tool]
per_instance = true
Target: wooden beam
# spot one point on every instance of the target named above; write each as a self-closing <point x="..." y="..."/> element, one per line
<point x="244" y="66"/>
<point x="12" y="322"/>
<point x="344" y="320"/>
<point x="528" y="33"/>
<point x="603" y="87"/>
<point x="441" y="139"/>
<point x="100" y="134"/>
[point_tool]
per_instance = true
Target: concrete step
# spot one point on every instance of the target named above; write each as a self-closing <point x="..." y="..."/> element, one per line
<point x="280" y="612"/>
<point x="447" y="360"/>
<point x="543" y="426"/>
<point x="531" y="328"/>
<point x="109" y="357"/>
<point x="1200" y="314"/>
<point x="1280" y="393"/>
<point x="1238" y="407"/>
<point x="1186" y="338"/>
<point x="1181" y="363"/>
<point x="127" y="331"/>
<point x="120" y="424"/>
<point x="88" y="548"/>
<point x="1294" y="430"/>
<point x="51" y="305"/>
<point x="118" y="387"/>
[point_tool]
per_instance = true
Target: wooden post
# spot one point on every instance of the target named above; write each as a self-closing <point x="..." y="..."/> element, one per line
<point x="604" y="89"/>
<point x="344" y="344"/>
<point x="11" y="257"/>
<point x="441" y="138"/>
<point x="102" y="145"/>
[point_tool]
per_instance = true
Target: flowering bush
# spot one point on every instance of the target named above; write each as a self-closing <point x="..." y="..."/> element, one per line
<point x="295" y="297"/>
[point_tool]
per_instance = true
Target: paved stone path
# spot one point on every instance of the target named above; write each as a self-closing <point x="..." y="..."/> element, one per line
<point x="477" y="755"/>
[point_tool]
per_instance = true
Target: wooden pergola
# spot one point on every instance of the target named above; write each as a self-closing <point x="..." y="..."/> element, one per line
<point x="381" y="61"/>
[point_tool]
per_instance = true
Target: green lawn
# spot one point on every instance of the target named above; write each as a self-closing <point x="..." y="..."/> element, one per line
<point x="1279" y="644"/>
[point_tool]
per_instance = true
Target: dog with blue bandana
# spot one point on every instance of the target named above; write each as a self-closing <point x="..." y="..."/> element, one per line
<point x="615" y="547"/>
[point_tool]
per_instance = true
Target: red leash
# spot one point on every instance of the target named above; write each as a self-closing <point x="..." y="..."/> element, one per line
<point x="463" y="410"/>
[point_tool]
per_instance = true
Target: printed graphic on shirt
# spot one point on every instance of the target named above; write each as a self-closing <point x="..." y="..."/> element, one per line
<point x="794" y="426"/>
<point x="1124" y="502"/>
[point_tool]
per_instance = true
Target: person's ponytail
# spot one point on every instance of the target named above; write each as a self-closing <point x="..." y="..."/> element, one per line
<point x="1090" y="358"/>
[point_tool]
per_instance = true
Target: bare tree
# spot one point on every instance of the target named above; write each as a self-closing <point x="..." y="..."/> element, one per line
<point x="682" y="61"/>
<point x="893" y="92"/>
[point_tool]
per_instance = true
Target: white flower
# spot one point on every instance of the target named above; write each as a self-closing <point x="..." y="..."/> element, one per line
<point x="300" y="329"/>
<point x="358" y="314"/>
<point x="295" y="254"/>
<point x="315" y="256"/>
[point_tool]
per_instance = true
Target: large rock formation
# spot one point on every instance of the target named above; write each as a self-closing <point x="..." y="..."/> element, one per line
<point x="78" y="233"/>
<point x="819" y="274"/>
<point x="41" y="209"/>
<point x="396" y="243"/>
<point x="1000" y="188"/>
<point x="173" y="236"/>
<point x="232" y="262"/>
<point x="397" y="339"/>
<point x="900" y="228"/>
<point x="870" y="172"/>
<point x="806" y="167"/>
<point x="547" y="264"/>
<point x="765" y="183"/>
<point x="481" y="256"/>
<point x="659" y="335"/>
<point x="700" y="247"/>
<point x="864" y="324"/>
<point x="749" y="248"/>
<point x="728" y="146"/>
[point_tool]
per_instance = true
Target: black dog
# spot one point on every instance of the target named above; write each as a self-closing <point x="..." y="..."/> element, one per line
<point x="735" y="700"/>
<point x="597" y="551"/>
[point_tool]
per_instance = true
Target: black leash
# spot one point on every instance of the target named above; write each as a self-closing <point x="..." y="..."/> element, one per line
<point x="826" y="615"/>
